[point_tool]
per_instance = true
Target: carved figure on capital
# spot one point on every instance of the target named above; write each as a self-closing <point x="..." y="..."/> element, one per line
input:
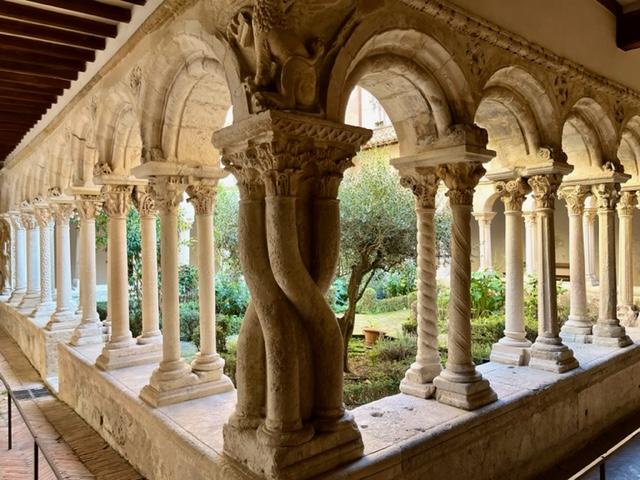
<point x="545" y="188"/>
<point x="117" y="200"/>
<point x="512" y="193"/>
<point x="606" y="195"/>
<point x="144" y="202"/>
<point x="574" y="196"/>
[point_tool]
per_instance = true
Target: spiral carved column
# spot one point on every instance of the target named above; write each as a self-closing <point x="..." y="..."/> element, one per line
<point x="290" y="347"/>
<point x="627" y="311"/>
<point x="548" y="352"/>
<point x="608" y="331"/>
<point x="46" y="305"/>
<point x="460" y="384"/>
<point x="418" y="380"/>
<point x="577" y="328"/>
<point x="20" y="262"/>
<point x="513" y="348"/>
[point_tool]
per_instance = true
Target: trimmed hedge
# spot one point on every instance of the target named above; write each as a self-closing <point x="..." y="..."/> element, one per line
<point x="385" y="305"/>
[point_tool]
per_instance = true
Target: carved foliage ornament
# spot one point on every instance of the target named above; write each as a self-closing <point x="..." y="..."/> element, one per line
<point x="63" y="213"/>
<point x="628" y="201"/>
<point x="29" y="221"/>
<point x="423" y="182"/>
<point x="167" y="192"/>
<point x="44" y="216"/>
<point x="461" y="180"/>
<point x="117" y="199"/>
<point x="203" y="198"/>
<point x="144" y="202"/>
<point x="606" y="195"/>
<point x="574" y="197"/>
<point x="102" y="168"/>
<point x="512" y="193"/>
<point x="88" y="206"/>
<point x="544" y="189"/>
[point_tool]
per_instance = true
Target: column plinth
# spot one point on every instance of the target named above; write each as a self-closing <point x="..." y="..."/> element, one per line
<point x="548" y="352"/>
<point x="627" y="310"/>
<point x="608" y="331"/>
<point x="513" y="348"/>
<point x="208" y="363"/>
<point x="32" y="295"/>
<point x="460" y="384"/>
<point x="578" y="327"/>
<point x="20" y="262"/>
<point x="418" y="380"/>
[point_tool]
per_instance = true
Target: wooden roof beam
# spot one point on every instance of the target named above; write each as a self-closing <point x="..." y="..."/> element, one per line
<point x="48" y="71"/>
<point x="90" y="7"/>
<point x="32" y="58"/>
<point x="27" y="96"/>
<point x="52" y="49"/>
<point x="15" y="87"/>
<point x="37" y="80"/>
<point x="51" y="34"/>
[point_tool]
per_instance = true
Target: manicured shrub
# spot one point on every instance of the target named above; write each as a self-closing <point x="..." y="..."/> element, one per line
<point x="102" y="310"/>
<point x="395" y="349"/>
<point x="367" y="301"/>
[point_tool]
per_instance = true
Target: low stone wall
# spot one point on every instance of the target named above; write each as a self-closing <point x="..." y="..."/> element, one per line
<point x="540" y="418"/>
<point x="39" y="346"/>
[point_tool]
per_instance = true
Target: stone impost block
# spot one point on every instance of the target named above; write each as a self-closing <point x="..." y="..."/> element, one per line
<point x="510" y="354"/>
<point x="467" y="395"/>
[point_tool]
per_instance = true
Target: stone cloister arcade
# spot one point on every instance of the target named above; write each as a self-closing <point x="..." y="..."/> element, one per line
<point x="473" y="108"/>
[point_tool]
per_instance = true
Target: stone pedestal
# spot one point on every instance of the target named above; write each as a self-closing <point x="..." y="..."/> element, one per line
<point x="513" y="348"/>
<point x="608" y="330"/>
<point x="627" y="310"/>
<point x="460" y="384"/>
<point x="548" y="352"/>
<point x="578" y="326"/>
<point x="418" y="380"/>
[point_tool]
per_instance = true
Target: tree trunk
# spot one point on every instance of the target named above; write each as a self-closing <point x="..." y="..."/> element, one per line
<point x="347" y="321"/>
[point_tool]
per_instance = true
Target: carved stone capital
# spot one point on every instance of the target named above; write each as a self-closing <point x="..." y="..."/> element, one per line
<point x="88" y="206"/>
<point x="63" y="212"/>
<point x="628" y="201"/>
<point x="606" y="195"/>
<point x="43" y="215"/>
<point x="117" y="200"/>
<point x="16" y="220"/>
<point x="512" y="193"/>
<point x="167" y="192"/>
<point x="551" y="155"/>
<point x="574" y="196"/>
<point x="423" y="182"/>
<point x="29" y="220"/>
<point x="545" y="188"/>
<point x="203" y="198"/>
<point x="461" y="180"/>
<point x="144" y="202"/>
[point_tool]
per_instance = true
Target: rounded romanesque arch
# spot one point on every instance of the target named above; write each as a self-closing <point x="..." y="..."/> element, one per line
<point x="629" y="150"/>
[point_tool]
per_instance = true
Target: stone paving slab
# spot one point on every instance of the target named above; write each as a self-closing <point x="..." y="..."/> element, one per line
<point x="76" y="450"/>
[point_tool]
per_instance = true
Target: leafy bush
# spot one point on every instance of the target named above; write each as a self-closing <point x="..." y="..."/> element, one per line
<point x="190" y="321"/>
<point x="102" y="310"/>
<point x="226" y="325"/>
<point x="367" y="301"/>
<point x="395" y="349"/>
<point x="232" y="295"/>
<point x="230" y="362"/>
<point x="410" y="325"/>
<point x="369" y="304"/>
<point x="337" y="295"/>
<point x="188" y="283"/>
<point x="442" y="304"/>
<point x="487" y="293"/>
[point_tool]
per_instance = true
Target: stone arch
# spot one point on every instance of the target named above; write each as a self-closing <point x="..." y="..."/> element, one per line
<point x="518" y="116"/>
<point x="589" y="139"/>
<point x="629" y="150"/>
<point x="414" y="77"/>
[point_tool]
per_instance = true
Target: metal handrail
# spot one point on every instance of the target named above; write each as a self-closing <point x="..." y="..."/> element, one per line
<point x="36" y="446"/>
<point x="600" y="462"/>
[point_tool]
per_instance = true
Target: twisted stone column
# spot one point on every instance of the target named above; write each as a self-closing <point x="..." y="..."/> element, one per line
<point x="590" y="242"/>
<point x="578" y="326"/>
<point x="150" y="311"/>
<point x="627" y="311"/>
<point x="290" y="419"/>
<point x="173" y="375"/>
<point x="530" y="242"/>
<point x="20" y="255"/>
<point x="548" y="352"/>
<point x="117" y="199"/>
<point x="32" y="295"/>
<point x="418" y="381"/>
<point x="460" y="384"/>
<point x="607" y="331"/>
<point x="90" y="328"/>
<point x="484" y="233"/>
<point x="6" y="254"/>
<point x="513" y="348"/>
<point x="203" y="196"/>
<point x="46" y="305"/>
<point x="64" y="315"/>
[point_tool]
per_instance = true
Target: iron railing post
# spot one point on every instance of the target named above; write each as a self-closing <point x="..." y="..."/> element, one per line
<point x="10" y="426"/>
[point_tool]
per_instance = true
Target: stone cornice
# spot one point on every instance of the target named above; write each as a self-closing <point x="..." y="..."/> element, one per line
<point x="462" y="21"/>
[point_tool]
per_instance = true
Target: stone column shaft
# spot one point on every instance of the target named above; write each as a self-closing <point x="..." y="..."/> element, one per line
<point x="590" y="248"/>
<point x="20" y="260"/>
<point x="46" y="305"/>
<point x="418" y="380"/>
<point x="607" y="330"/>
<point x="548" y="351"/>
<point x="484" y="235"/>
<point x="577" y="328"/>
<point x="513" y="348"/>
<point x="627" y="311"/>
<point x="32" y="295"/>
<point x="530" y="242"/>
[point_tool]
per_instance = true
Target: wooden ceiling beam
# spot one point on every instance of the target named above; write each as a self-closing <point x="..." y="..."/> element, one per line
<point x="31" y="111"/>
<point x="91" y="7"/>
<point x="41" y="16"/>
<point x="628" y="31"/>
<point x="14" y="120"/>
<point x="26" y="88"/>
<point x="8" y="53"/>
<point x="27" y="96"/>
<point x="52" y="49"/>
<point x="21" y="103"/>
<point x="38" y="70"/>
<point x="136" y="2"/>
<point x="51" y="34"/>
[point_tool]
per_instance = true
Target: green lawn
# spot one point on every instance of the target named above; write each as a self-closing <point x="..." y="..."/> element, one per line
<point x="390" y="322"/>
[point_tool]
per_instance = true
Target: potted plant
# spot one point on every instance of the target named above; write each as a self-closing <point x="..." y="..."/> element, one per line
<point x="372" y="335"/>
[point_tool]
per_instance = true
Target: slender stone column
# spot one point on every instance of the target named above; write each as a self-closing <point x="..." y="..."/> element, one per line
<point x="150" y="311"/>
<point x="6" y="237"/>
<point x="627" y="311"/>
<point x="32" y="296"/>
<point x="530" y="241"/>
<point x="607" y="330"/>
<point x="117" y="199"/>
<point x="548" y="352"/>
<point x="90" y="329"/>
<point x="20" y="255"/>
<point x="173" y="375"/>
<point x="418" y="380"/>
<point x="460" y="384"/>
<point x="484" y="231"/>
<point x="46" y="305"/>
<point x="513" y="348"/>
<point x="590" y="244"/>
<point x="577" y="328"/>
<point x="64" y="315"/>
<point x="203" y="196"/>
<point x="12" y="251"/>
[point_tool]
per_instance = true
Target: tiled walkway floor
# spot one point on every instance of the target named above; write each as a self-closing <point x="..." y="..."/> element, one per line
<point x="76" y="450"/>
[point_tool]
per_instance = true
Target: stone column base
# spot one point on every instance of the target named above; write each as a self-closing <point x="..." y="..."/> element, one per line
<point x="128" y="356"/>
<point x="510" y="353"/>
<point x="86" y="334"/>
<point x="62" y="321"/>
<point x="321" y="454"/>
<point x="145" y="338"/>
<point x="628" y="315"/>
<point x="556" y="358"/>
<point x="610" y="336"/>
<point x="43" y="310"/>
<point x="29" y="303"/>
<point x="418" y="380"/>
<point x="16" y="298"/>
<point x="576" y="330"/>
<point x="420" y="390"/>
<point x="466" y="395"/>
